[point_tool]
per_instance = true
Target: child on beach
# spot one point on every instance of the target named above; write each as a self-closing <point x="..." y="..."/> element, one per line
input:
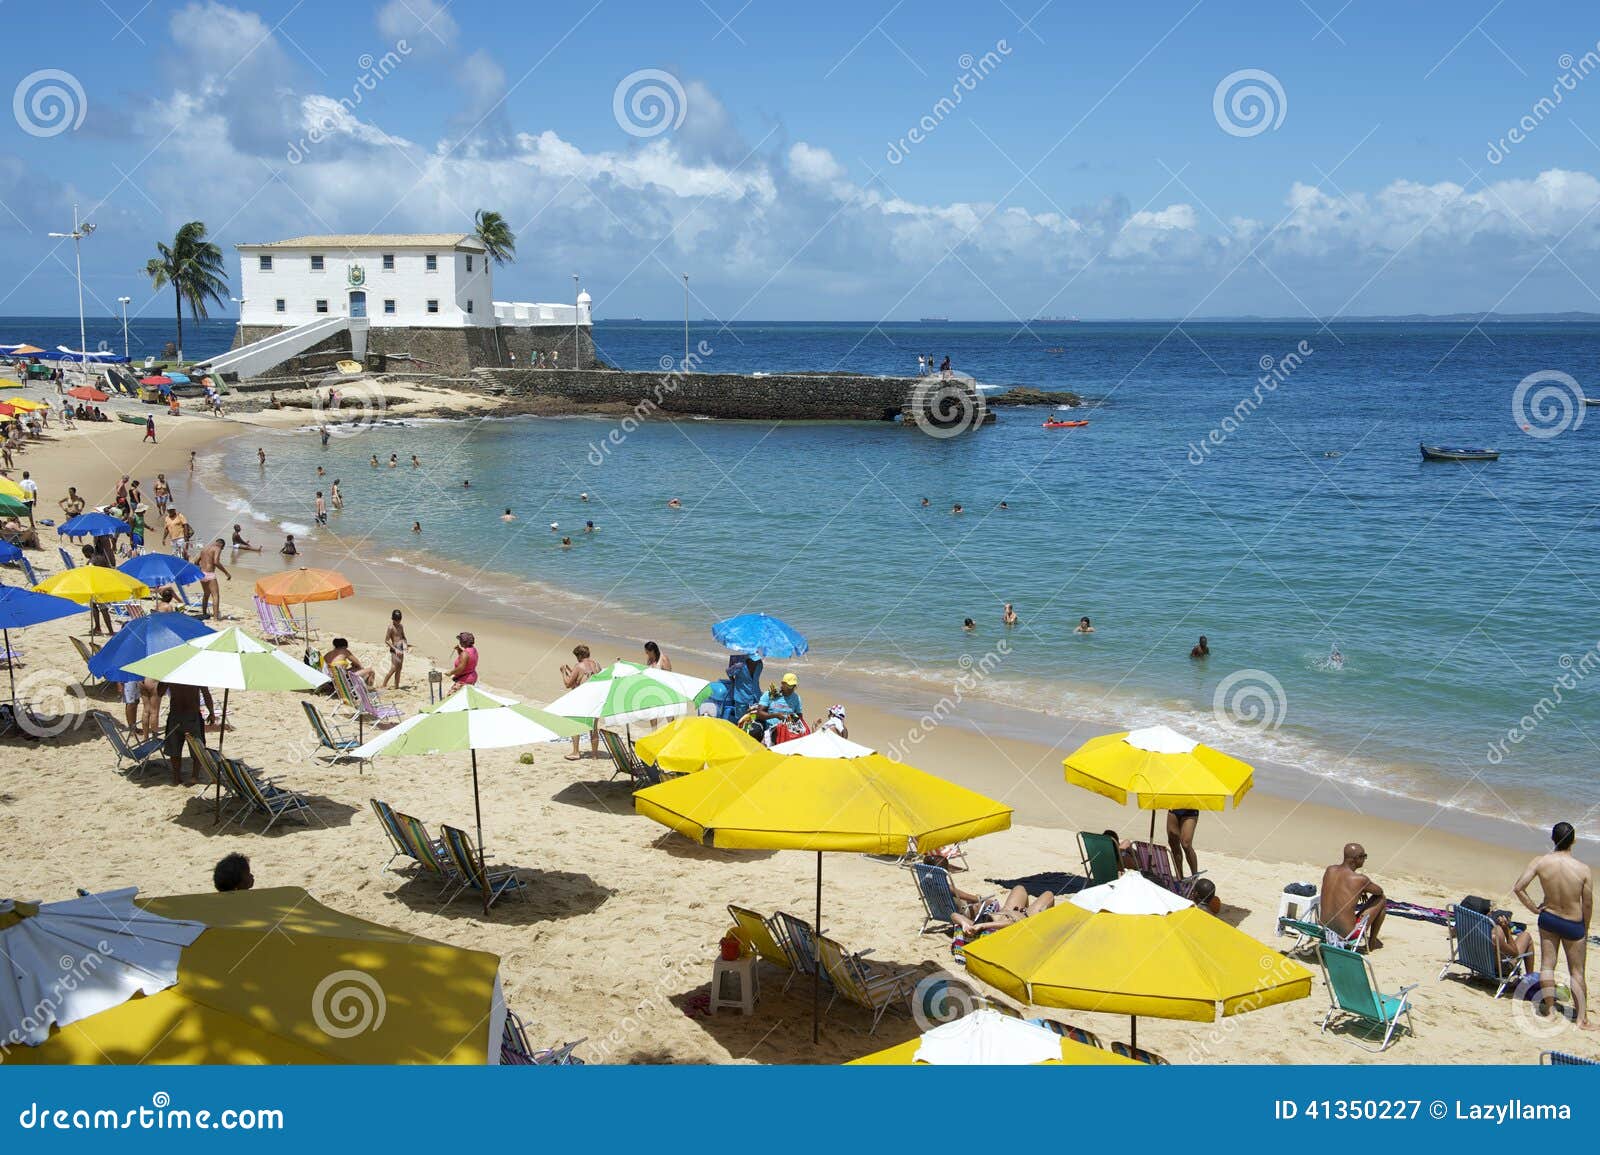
<point x="395" y="639"/>
<point x="289" y="548"/>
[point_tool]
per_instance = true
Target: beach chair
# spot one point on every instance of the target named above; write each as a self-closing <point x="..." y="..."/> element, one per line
<point x="261" y="796"/>
<point x="1138" y="1055"/>
<point x="1472" y="947"/>
<point x="1310" y="933"/>
<point x="516" y="1051"/>
<point x="1102" y="862"/>
<point x="139" y="755"/>
<point x="939" y="903"/>
<point x="1562" y="1059"/>
<point x="1068" y="1031"/>
<point x="799" y="942"/>
<point x="405" y="845"/>
<point x="468" y="865"/>
<point x="11" y="658"/>
<point x="1353" y="992"/>
<point x="626" y="761"/>
<point x="1155" y="863"/>
<point x="27" y="569"/>
<point x="854" y="980"/>
<point x="86" y="651"/>
<point x="66" y="558"/>
<point x="333" y="747"/>
<point x="272" y="626"/>
<point x="368" y="702"/>
<point x="425" y="850"/>
<point x="760" y="935"/>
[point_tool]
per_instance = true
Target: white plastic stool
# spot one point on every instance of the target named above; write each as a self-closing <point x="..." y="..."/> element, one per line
<point x="1294" y="906"/>
<point x="741" y="971"/>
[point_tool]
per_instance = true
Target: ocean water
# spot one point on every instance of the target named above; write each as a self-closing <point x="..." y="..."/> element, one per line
<point x="1281" y="519"/>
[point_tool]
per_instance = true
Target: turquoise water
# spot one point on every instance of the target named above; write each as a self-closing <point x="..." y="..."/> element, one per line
<point x="1458" y="595"/>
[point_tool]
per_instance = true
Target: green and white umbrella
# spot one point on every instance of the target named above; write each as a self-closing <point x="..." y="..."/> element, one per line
<point x="625" y="692"/>
<point x="230" y="659"/>
<point x="471" y="719"/>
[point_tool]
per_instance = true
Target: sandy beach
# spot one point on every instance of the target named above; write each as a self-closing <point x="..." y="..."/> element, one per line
<point x="622" y="920"/>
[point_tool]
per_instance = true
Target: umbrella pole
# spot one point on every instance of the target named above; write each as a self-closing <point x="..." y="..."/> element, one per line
<point x="477" y="813"/>
<point x="816" y="974"/>
<point x="221" y="734"/>
<point x="1133" y="1031"/>
<point x="1152" y="826"/>
<point x="11" y="673"/>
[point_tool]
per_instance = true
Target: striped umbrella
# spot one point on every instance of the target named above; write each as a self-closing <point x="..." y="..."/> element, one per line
<point x="625" y="692"/>
<point x="471" y="719"/>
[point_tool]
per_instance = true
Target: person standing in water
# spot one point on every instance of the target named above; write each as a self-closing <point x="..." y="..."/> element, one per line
<point x="1565" y="909"/>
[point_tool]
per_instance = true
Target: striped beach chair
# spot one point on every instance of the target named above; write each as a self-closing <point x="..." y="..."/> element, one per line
<point x="469" y="867"/>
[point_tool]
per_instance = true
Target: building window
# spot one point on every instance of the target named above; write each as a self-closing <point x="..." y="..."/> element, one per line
<point x="280" y="306"/>
<point x="388" y="306"/>
<point x="322" y="304"/>
<point x="316" y="262"/>
<point x="431" y="262"/>
<point x="469" y="304"/>
<point x="433" y="304"/>
<point x="469" y="262"/>
<point x="265" y="262"/>
<point x="388" y="262"/>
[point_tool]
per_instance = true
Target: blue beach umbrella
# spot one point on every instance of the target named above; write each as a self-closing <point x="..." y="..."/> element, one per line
<point x="140" y="638"/>
<point x="155" y="569"/>
<point x="92" y="525"/>
<point x="21" y="607"/>
<point x="9" y="553"/>
<point x="760" y="634"/>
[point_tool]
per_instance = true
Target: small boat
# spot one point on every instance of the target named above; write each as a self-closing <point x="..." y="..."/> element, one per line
<point x="1064" y="424"/>
<point x="1457" y="453"/>
<point x="349" y="368"/>
<point x="131" y="418"/>
<point x="1591" y="400"/>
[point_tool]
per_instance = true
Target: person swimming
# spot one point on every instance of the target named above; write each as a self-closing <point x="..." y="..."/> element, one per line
<point x="969" y="625"/>
<point x="1008" y="616"/>
<point x="1202" y="649"/>
<point x="1084" y="627"/>
<point x="508" y="515"/>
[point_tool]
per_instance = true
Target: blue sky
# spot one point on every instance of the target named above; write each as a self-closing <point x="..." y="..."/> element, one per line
<point x="1086" y="169"/>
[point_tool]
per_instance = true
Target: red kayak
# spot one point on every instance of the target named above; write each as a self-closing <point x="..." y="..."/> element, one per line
<point x="1064" y="424"/>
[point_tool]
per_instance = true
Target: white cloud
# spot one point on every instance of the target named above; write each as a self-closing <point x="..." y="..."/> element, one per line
<point x="425" y="25"/>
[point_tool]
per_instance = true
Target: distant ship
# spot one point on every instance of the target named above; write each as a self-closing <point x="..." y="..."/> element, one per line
<point x="1055" y="321"/>
<point x="934" y="320"/>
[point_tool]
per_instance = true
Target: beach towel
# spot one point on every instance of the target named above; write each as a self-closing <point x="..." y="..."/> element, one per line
<point x="1055" y="881"/>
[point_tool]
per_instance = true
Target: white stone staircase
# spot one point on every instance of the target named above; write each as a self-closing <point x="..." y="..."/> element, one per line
<point x="259" y="356"/>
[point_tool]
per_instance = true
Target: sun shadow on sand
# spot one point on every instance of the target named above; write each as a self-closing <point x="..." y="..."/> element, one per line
<point x="199" y="814"/>
<point x="551" y="895"/>
<point x="780" y="1029"/>
<point x="598" y="797"/>
<point x="680" y="847"/>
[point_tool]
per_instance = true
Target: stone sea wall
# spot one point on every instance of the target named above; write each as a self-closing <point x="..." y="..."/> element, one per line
<point x="451" y="352"/>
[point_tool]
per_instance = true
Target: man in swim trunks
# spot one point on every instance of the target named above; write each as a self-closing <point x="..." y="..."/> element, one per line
<point x="1347" y="894"/>
<point x="210" y="561"/>
<point x="1568" y="891"/>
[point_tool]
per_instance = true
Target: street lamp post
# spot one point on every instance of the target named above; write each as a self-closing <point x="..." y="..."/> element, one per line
<point x="575" y="291"/>
<point x="125" y="302"/>
<point x="80" y="229"/>
<point x="684" y="368"/>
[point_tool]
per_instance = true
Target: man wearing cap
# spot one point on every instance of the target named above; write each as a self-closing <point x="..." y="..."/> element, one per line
<point x="779" y="704"/>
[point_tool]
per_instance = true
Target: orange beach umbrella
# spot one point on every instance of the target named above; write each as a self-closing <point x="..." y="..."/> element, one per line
<point x="306" y="584"/>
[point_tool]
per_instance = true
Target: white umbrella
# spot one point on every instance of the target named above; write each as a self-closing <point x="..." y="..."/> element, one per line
<point x="1130" y="894"/>
<point x="988" y="1038"/>
<point x="823" y="744"/>
<point x="68" y="960"/>
<point x="626" y="692"/>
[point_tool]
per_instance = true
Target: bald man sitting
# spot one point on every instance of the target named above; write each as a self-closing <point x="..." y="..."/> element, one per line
<point x="1347" y="894"/>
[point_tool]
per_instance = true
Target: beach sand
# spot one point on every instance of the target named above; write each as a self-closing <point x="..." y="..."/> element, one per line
<point x="616" y="940"/>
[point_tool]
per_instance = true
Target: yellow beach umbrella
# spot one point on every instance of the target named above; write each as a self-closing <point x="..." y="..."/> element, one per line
<point x="1159" y="769"/>
<point x="1187" y="964"/>
<point x="988" y="1038"/>
<point x="8" y="383"/>
<point x="864" y="805"/>
<point x="88" y="584"/>
<point x="685" y="745"/>
<point x="11" y="489"/>
<point x="27" y="403"/>
<point x="276" y="977"/>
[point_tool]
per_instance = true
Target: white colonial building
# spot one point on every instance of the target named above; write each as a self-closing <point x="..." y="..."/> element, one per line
<point x="387" y="292"/>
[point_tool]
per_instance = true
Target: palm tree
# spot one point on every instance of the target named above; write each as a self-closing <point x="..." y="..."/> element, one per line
<point x="497" y="238"/>
<point x="193" y="267"/>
